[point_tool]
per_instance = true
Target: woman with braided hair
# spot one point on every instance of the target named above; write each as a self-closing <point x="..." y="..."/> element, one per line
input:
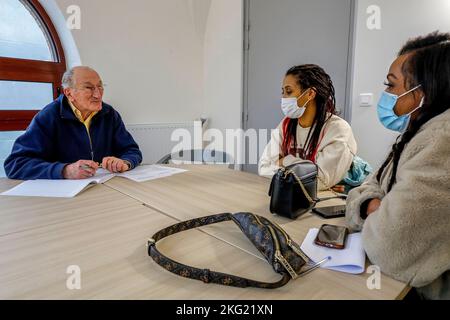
<point x="404" y="209"/>
<point x="311" y="129"/>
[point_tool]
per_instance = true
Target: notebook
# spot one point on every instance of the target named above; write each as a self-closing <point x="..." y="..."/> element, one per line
<point x="70" y="188"/>
<point x="352" y="259"/>
<point x="55" y="188"/>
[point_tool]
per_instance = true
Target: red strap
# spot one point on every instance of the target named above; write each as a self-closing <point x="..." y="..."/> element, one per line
<point x="285" y="125"/>
<point x="286" y="143"/>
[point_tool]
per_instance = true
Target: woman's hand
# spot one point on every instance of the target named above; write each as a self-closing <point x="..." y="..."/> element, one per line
<point x="373" y="206"/>
<point x="280" y="162"/>
<point x="339" y="189"/>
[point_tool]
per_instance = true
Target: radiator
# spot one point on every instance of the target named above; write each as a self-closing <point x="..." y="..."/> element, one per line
<point x="154" y="140"/>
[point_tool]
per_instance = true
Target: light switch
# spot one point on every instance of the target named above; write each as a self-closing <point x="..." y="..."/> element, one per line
<point x="366" y="100"/>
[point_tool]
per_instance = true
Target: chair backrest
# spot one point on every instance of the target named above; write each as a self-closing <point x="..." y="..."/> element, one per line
<point x="198" y="157"/>
<point x="7" y="140"/>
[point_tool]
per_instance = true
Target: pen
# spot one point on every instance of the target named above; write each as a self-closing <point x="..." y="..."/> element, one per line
<point x="315" y="266"/>
<point x="86" y="167"/>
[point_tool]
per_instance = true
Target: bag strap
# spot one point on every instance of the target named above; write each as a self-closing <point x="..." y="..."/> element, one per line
<point x="308" y="196"/>
<point x="302" y="186"/>
<point x="205" y="275"/>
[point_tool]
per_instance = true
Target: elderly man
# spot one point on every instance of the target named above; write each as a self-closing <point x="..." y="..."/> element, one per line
<point x="72" y="136"/>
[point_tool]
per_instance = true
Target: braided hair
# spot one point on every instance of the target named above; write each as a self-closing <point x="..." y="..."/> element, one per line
<point x="428" y="66"/>
<point x="310" y="76"/>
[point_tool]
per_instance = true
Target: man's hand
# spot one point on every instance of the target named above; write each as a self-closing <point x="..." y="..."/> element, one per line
<point x="114" y="165"/>
<point x="80" y="170"/>
<point x="373" y="206"/>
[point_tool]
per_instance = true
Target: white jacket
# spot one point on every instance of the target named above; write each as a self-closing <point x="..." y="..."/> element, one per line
<point x="334" y="157"/>
<point x="408" y="237"/>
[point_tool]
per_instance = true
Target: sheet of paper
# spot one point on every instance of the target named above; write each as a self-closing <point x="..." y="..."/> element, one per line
<point x="147" y="173"/>
<point x="350" y="260"/>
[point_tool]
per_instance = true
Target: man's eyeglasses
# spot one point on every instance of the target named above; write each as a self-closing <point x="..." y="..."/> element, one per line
<point x="91" y="89"/>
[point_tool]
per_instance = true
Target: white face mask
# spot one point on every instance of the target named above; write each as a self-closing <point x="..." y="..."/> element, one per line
<point x="290" y="107"/>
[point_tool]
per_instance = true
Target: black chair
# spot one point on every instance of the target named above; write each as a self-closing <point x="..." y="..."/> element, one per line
<point x="198" y="157"/>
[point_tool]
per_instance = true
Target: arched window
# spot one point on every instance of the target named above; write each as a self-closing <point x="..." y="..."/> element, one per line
<point x="31" y="62"/>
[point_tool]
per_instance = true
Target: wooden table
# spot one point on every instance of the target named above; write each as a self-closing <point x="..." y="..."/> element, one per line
<point x="104" y="230"/>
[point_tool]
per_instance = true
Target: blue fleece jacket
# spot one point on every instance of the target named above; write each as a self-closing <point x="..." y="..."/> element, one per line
<point x="56" y="138"/>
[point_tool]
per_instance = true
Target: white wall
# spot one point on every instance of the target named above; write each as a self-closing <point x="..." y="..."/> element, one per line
<point x="148" y="52"/>
<point x="224" y="64"/>
<point x="374" y="53"/>
<point x="199" y="11"/>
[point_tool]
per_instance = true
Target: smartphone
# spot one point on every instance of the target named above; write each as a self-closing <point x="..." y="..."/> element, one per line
<point x="332" y="237"/>
<point x="330" y="212"/>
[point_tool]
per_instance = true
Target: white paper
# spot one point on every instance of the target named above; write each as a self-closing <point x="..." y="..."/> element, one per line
<point x="70" y="188"/>
<point x="101" y="176"/>
<point x="352" y="259"/>
<point x="147" y="173"/>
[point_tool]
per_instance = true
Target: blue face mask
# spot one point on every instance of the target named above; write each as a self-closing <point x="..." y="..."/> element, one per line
<point x="387" y="115"/>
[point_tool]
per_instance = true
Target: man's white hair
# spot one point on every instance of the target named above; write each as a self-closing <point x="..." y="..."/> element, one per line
<point x="68" y="77"/>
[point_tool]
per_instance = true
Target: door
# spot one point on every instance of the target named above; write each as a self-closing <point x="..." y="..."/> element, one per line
<point x="284" y="33"/>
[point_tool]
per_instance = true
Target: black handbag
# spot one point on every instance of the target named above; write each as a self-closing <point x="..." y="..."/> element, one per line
<point x="271" y="240"/>
<point x="293" y="190"/>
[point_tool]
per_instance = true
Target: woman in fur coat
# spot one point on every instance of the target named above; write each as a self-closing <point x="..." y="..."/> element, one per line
<point x="404" y="209"/>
